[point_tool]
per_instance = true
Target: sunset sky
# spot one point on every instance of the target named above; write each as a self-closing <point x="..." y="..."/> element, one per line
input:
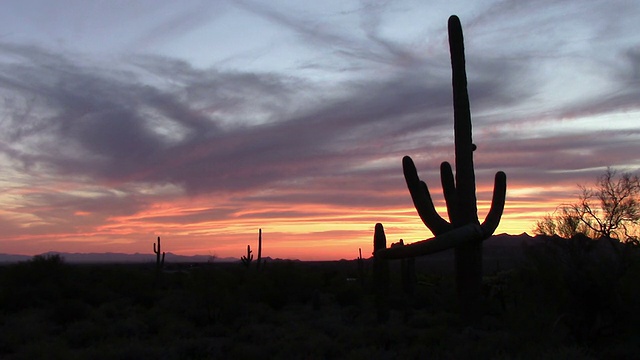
<point x="202" y="121"/>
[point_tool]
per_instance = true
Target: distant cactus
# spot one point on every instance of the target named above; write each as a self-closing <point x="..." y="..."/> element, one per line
<point x="380" y="274"/>
<point x="259" y="262"/>
<point x="246" y="260"/>
<point x="360" y="267"/>
<point x="464" y="231"/>
<point x="408" y="272"/>
<point x="159" y="259"/>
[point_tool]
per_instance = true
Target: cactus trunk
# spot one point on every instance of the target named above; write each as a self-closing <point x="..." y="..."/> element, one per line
<point x="380" y="275"/>
<point x="468" y="256"/>
<point x="360" y="267"/>
<point x="259" y="263"/>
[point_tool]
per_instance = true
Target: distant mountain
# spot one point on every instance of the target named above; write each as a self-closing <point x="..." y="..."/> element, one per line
<point x="97" y="258"/>
<point x="510" y="240"/>
<point x="497" y="247"/>
<point x="9" y="258"/>
<point x="506" y="249"/>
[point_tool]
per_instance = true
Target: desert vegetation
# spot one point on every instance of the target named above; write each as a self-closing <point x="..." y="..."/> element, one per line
<point x="609" y="210"/>
<point x="562" y="300"/>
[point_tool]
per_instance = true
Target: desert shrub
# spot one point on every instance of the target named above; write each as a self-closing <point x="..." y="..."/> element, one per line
<point x="280" y="284"/>
<point x="49" y="348"/>
<point x="213" y="291"/>
<point x="35" y="283"/>
<point x="568" y="352"/>
<point x="67" y="311"/>
<point x="307" y="343"/>
<point x="348" y="293"/>
<point x="629" y="292"/>
<point x="199" y="348"/>
<point x="20" y="329"/>
<point x="83" y="333"/>
<point x="124" y="349"/>
<point x="224" y="311"/>
<point x="570" y="292"/>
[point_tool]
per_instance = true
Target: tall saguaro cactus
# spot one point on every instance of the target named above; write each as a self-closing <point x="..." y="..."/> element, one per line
<point x="463" y="231"/>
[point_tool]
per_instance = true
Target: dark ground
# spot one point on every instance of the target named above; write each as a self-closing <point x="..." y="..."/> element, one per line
<point x="552" y="302"/>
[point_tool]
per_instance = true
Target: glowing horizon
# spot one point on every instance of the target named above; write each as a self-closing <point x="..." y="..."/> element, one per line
<point x="329" y="234"/>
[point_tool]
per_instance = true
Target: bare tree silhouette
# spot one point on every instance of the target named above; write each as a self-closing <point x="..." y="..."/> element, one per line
<point x="610" y="210"/>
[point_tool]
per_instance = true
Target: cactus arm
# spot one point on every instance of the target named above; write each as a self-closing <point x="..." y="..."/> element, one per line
<point x="157" y="250"/>
<point x="449" y="191"/>
<point x="422" y="199"/>
<point x="456" y="237"/>
<point x="497" y="204"/>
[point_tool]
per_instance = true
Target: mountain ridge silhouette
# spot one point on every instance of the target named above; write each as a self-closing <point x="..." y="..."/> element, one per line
<point x="500" y="243"/>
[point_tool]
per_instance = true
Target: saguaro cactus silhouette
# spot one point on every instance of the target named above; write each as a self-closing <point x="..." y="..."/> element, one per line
<point x="246" y="260"/>
<point x="463" y="231"/>
<point x="159" y="259"/>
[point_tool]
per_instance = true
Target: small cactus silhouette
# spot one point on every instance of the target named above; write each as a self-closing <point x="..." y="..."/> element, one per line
<point x="246" y="260"/>
<point x="361" y="272"/>
<point x="159" y="259"/>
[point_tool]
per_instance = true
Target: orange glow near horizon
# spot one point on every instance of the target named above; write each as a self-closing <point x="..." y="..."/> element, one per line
<point x="302" y="231"/>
